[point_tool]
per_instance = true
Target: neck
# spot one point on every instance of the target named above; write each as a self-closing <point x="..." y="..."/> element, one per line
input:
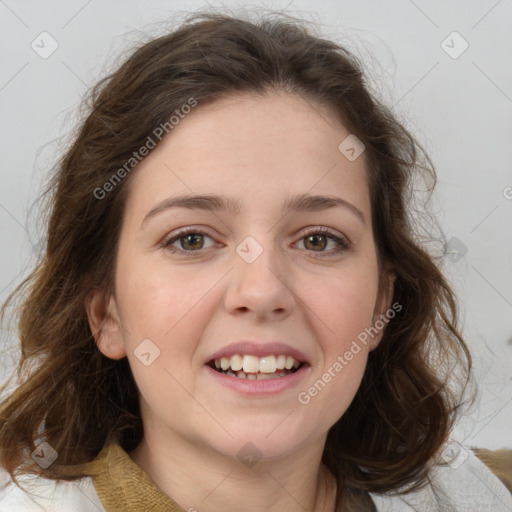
<point x="199" y="478"/>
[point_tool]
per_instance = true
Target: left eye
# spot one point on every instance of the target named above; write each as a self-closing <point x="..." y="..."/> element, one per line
<point x="190" y="241"/>
<point x="319" y="240"/>
<point x="193" y="241"/>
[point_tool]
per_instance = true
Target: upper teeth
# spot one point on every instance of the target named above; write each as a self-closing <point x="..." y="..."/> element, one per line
<point x="254" y="364"/>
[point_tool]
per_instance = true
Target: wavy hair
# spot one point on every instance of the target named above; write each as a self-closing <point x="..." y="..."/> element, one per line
<point x="76" y="399"/>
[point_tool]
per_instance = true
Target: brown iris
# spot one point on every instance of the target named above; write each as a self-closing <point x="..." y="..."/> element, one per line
<point x="316" y="237"/>
<point x="193" y="239"/>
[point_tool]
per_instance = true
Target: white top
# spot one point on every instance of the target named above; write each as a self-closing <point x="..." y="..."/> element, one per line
<point x="468" y="487"/>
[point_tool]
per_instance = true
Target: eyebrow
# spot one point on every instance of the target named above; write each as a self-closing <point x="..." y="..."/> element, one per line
<point x="210" y="202"/>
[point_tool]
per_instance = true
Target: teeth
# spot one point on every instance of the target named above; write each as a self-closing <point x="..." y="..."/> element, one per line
<point x="236" y="363"/>
<point x="266" y="376"/>
<point x="257" y="376"/>
<point x="251" y="364"/>
<point x="267" y="365"/>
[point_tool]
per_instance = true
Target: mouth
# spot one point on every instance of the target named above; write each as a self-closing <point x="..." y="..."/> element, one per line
<point x="251" y="367"/>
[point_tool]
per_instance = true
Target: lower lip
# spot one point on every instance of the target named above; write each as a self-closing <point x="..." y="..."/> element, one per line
<point x="260" y="387"/>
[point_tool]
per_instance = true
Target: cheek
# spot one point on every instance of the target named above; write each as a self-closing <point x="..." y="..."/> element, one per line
<point x="163" y="314"/>
<point x="158" y="303"/>
<point x="329" y="395"/>
<point x="344" y="305"/>
<point x="343" y="313"/>
<point x="335" y="384"/>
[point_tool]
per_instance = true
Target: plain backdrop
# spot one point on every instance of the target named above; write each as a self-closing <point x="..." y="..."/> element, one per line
<point x="444" y="67"/>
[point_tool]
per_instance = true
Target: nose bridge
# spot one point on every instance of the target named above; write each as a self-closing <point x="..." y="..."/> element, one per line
<point x="260" y="284"/>
<point x="259" y="259"/>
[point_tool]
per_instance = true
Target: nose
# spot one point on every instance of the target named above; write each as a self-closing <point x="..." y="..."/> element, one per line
<point x="259" y="287"/>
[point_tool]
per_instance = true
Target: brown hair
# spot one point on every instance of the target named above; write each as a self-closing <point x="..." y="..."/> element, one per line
<point x="76" y="399"/>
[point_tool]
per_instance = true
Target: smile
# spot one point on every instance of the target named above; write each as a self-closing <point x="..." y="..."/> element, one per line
<point x="256" y="368"/>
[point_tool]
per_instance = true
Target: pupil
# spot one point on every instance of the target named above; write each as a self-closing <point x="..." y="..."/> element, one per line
<point x="191" y="237"/>
<point x="315" y="237"/>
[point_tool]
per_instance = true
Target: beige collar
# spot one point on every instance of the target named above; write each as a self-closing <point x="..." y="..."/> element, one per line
<point x="123" y="485"/>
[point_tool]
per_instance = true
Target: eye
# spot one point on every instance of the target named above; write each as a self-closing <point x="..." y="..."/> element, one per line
<point x="318" y="239"/>
<point x="315" y="240"/>
<point x="190" y="240"/>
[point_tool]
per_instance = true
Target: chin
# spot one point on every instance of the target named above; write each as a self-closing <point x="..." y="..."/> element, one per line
<point x="262" y="441"/>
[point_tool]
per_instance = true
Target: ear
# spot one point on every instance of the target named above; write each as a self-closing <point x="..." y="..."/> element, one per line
<point x="382" y="312"/>
<point x="105" y="324"/>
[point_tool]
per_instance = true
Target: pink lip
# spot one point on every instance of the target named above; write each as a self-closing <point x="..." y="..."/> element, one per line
<point x="246" y="347"/>
<point x="260" y="387"/>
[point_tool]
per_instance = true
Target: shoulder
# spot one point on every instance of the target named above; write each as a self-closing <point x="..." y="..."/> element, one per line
<point x="45" y="495"/>
<point x="464" y="483"/>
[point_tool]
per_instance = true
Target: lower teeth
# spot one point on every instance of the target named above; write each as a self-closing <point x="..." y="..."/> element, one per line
<point x="257" y="376"/>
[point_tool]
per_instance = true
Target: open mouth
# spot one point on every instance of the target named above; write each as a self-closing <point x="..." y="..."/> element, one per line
<point x="256" y="368"/>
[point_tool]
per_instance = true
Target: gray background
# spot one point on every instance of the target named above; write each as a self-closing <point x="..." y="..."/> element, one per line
<point x="458" y="106"/>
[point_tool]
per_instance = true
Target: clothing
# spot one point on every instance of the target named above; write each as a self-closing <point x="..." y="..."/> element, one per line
<point x="119" y="485"/>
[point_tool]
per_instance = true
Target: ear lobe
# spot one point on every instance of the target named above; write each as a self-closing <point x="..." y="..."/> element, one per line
<point x="105" y="324"/>
<point x="383" y="303"/>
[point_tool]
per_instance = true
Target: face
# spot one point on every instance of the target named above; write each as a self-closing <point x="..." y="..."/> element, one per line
<point x="265" y="281"/>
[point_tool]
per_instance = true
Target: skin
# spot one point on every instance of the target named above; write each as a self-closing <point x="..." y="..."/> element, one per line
<point x="259" y="150"/>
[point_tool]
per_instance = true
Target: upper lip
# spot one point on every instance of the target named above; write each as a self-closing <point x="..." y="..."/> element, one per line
<point x="259" y="349"/>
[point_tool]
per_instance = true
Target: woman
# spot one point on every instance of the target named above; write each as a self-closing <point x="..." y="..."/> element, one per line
<point x="234" y="309"/>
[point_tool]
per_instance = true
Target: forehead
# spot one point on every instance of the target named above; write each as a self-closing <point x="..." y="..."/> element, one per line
<point x="258" y="146"/>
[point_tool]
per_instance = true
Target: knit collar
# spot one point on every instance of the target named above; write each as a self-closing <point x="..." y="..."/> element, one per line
<point x="123" y="485"/>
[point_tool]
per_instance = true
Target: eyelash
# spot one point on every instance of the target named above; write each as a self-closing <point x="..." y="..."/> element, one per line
<point x="343" y="243"/>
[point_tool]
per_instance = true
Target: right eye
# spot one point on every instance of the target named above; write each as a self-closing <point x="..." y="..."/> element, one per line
<point x="190" y="240"/>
